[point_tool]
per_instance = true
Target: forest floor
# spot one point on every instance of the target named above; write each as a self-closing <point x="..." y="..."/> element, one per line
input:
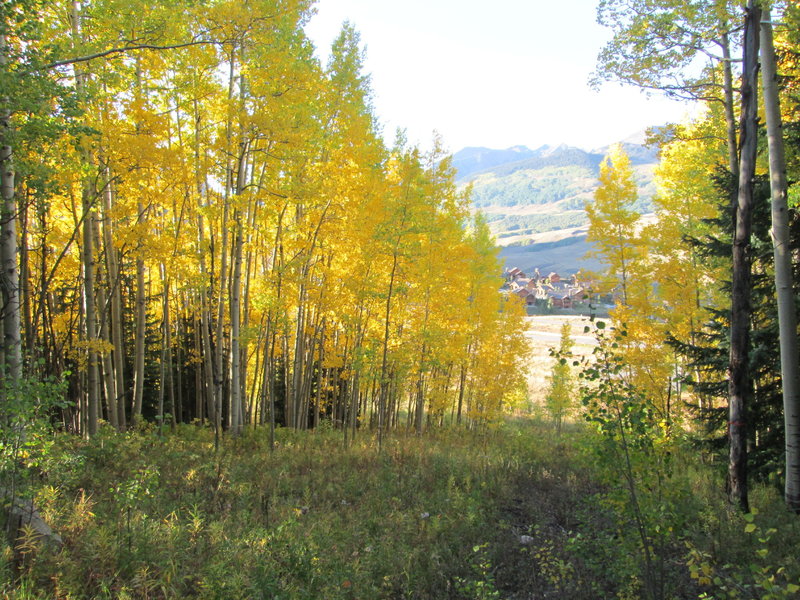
<point x="514" y="511"/>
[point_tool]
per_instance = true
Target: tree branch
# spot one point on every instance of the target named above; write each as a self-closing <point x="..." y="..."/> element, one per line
<point x="121" y="50"/>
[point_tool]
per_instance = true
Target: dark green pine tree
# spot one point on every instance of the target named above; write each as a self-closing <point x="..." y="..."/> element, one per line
<point x="709" y="355"/>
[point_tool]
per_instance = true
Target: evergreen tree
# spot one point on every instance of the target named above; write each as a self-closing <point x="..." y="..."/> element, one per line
<point x="707" y="356"/>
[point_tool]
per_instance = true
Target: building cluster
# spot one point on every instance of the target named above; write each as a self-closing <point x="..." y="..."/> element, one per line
<point x="546" y="291"/>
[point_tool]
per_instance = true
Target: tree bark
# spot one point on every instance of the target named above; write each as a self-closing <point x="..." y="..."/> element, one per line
<point x="236" y="289"/>
<point x="88" y="194"/>
<point x="205" y="302"/>
<point x="739" y="380"/>
<point x="384" y="381"/>
<point x="141" y="331"/>
<point x="92" y="381"/>
<point x="787" y="317"/>
<point x="112" y="268"/>
<point x="141" y="307"/>
<point x="730" y="118"/>
<point x="12" y="326"/>
<point x="462" y="380"/>
<point x="108" y="381"/>
<point x="167" y="381"/>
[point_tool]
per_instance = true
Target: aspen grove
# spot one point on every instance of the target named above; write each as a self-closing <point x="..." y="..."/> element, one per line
<point x="211" y="229"/>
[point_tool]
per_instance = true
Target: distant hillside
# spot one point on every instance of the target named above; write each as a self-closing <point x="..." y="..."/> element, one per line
<point x="475" y="160"/>
<point x="562" y="251"/>
<point x="525" y="193"/>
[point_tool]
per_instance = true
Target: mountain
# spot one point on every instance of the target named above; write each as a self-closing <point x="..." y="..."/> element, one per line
<point x="534" y="199"/>
<point x="474" y="160"/>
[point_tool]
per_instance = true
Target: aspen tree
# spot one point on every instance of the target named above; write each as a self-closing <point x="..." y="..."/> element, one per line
<point x="12" y="327"/>
<point x="612" y="221"/>
<point x="88" y="196"/>
<point x="112" y="268"/>
<point x="396" y="237"/>
<point x="266" y="209"/>
<point x="687" y="201"/>
<point x="787" y="317"/>
<point x="562" y="384"/>
<point x="655" y="42"/>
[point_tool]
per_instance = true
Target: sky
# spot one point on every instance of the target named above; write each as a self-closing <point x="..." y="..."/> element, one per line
<point x="496" y="73"/>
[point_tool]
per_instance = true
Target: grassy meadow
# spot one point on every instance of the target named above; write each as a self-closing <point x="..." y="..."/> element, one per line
<point x="509" y="512"/>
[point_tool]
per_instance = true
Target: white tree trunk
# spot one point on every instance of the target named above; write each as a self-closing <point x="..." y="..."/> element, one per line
<point x="112" y="268"/>
<point x="787" y="318"/>
<point x="12" y="328"/>
<point x="90" y="312"/>
<point x="141" y="331"/>
<point x="87" y="255"/>
<point x="236" y="290"/>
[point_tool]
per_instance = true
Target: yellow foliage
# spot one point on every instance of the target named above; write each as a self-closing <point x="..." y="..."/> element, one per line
<point x="249" y="155"/>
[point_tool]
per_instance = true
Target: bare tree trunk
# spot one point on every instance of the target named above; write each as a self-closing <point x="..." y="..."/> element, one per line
<point x="141" y="330"/>
<point x="205" y="308"/>
<point x="92" y="382"/>
<point x="462" y="380"/>
<point x="420" y="408"/>
<point x="270" y="375"/>
<point x="12" y="334"/>
<point x="200" y="389"/>
<point x="787" y="317"/>
<point x="178" y="367"/>
<point x="730" y="118"/>
<point x="109" y="383"/>
<point x="219" y="345"/>
<point x="739" y="381"/>
<point x="299" y="355"/>
<point x="141" y="307"/>
<point x="112" y="268"/>
<point x="253" y="399"/>
<point x="29" y="332"/>
<point x="236" y="289"/>
<point x="419" y="412"/>
<point x="167" y="382"/>
<point x="384" y="382"/>
<point x="87" y="256"/>
<point x="288" y="412"/>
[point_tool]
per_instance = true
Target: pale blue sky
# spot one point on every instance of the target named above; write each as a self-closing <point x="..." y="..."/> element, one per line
<point x="490" y="73"/>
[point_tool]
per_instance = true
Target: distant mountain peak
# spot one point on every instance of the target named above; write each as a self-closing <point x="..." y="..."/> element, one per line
<point x="550" y="150"/>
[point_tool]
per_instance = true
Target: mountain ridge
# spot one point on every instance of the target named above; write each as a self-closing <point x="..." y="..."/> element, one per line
<point x="527" y="193"/>
<point x="473" y="160"/>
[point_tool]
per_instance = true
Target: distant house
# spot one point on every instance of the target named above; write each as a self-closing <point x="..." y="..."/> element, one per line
<point x="514" y="274"/>
<point x="528" y="296"/>
<point x="522" y="292"/>
<point x="560" y="301"/>
<point x="552" y="290"/>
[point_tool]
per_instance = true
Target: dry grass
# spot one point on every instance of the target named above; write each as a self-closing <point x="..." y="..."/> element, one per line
<point x="544" y="333"/>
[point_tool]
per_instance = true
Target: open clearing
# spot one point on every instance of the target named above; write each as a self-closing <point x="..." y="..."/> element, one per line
<point x="545" y="333"/>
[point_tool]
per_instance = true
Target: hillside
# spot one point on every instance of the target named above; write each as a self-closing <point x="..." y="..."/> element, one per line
<point x="563" y="251"/>
<point x="534" y="199"/>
